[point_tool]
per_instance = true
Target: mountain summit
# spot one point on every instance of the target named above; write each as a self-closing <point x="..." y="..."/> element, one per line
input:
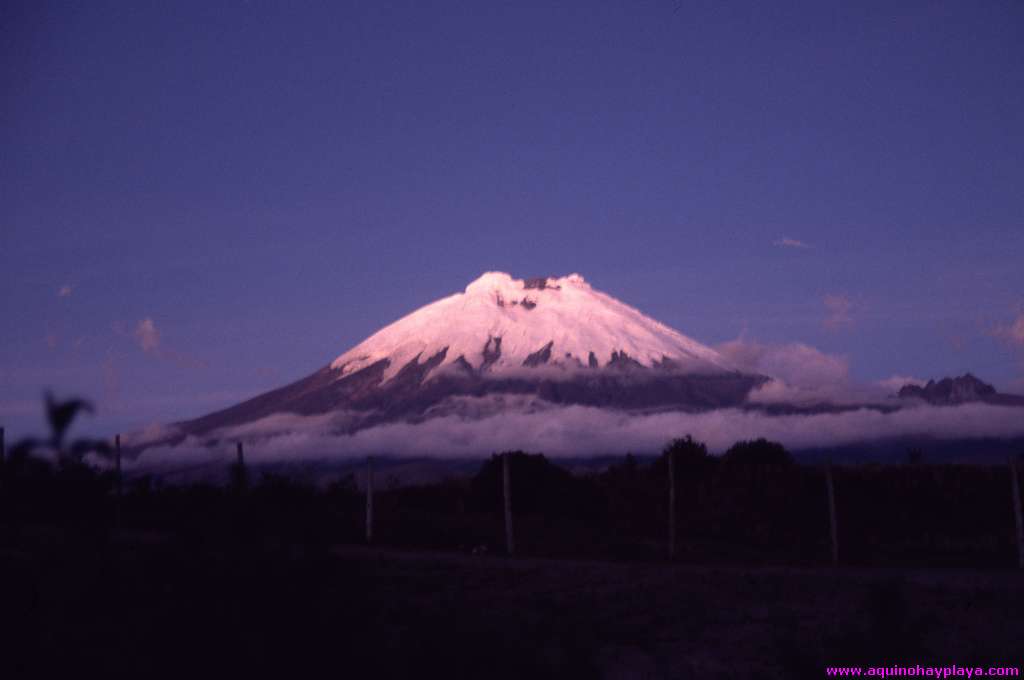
<point x="500" y="325"/>
<point x="554" y="340"/>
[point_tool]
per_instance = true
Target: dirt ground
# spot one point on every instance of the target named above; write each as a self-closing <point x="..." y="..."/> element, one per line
<point x="142" y="606"/>
<point x="676" y="621"/>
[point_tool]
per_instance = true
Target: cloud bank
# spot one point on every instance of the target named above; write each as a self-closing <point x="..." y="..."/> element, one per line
<point x="580" y="431"/>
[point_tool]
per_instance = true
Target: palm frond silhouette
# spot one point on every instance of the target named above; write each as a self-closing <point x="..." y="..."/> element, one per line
<point x="60" y="415"/>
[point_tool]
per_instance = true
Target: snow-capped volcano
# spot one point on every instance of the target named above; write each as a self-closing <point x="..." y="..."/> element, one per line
<point x="547" y="364"/>
<point x="547" y="340"/>
<point x="500" y="324"/>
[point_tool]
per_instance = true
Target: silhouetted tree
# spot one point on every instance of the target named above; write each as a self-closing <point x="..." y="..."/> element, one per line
<point x="48" y="478"/>
<point x="538" y="486"/>
<point x="60" y="415"/>
<point x="691" y="458"/>
<point x="687" y="451"/>
<point x="759" y="451"/>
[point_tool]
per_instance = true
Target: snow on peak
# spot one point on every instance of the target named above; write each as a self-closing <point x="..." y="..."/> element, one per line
<point x="500" y="324"/>
<point x="500" y="282"/>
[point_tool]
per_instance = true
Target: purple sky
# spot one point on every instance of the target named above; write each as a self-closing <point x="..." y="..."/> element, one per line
<point x="200" y="203"/>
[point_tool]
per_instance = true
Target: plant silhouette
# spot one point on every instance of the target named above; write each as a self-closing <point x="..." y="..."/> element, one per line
<point x="60" y="415"/>
<point x="760" y="451"/>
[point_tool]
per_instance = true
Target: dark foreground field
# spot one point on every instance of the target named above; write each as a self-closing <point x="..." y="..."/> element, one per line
<point x="108" y="577"/>
<point x="137" y="605"/>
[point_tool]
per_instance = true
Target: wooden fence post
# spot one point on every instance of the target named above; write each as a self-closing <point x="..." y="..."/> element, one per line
<point x="117" y="480"/>
<point x="240" y="476"/>
<point x="369" y="499"/>
<point x="833" y="528"/>
<point x="510" y="543"/>
<point x="1015" y="484"/>
<point x="671" y="505"/>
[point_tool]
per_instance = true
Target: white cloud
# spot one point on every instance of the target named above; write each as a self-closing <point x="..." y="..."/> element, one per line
<point x="804" y="375"/>
<point x="147" y="336"/>
<point x="786" y="242"/>
<point x="580" y="431"/>
<point x="795" y="363"/>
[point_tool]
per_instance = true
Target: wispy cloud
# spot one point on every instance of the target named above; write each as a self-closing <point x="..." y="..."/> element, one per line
<point x="839" y="312"/>
<point x="65" y="290"/>
<point x="147" y="336"/>
<point x="786" y="242"/>
<point x="1012" y="333"/>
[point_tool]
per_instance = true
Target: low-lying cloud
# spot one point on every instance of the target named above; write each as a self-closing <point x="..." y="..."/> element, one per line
<point x="581" y="431"/>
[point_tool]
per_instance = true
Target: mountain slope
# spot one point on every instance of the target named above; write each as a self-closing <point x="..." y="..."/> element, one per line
<point x="553" y="339"/>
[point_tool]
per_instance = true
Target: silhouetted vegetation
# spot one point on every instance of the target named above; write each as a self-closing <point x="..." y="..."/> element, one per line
<point x="758" y="452"/>
<point x="751" y="505"/>
<point x="247" y="572"/>
<point x="688" y="453"/>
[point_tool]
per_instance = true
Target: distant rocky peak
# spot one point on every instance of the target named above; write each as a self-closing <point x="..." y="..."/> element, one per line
<point x="963" y="389"/>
